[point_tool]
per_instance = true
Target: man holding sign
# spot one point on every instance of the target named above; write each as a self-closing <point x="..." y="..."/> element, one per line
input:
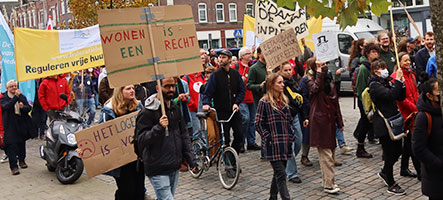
<point x="162" y="153"/>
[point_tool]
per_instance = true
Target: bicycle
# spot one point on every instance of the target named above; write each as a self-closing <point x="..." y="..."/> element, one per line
<point x="228" y="165"/>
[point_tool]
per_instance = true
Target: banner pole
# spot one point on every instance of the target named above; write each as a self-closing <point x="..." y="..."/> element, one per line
<point x="151" y="40"/>
<point x="410" y="18"/>
<point x="394" y="37"/>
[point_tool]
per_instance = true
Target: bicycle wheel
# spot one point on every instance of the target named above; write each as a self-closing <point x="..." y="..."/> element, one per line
<point x="228" y="168"/>
<point x="197" y="148"/>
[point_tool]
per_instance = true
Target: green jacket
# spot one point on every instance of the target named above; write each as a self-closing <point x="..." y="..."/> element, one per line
<point x="389" y="59"/>
<point x="256" y="75"/>
<point x="362" y="77"/>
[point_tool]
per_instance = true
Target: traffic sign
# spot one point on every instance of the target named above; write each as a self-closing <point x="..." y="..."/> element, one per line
<point x="238" y="33"/>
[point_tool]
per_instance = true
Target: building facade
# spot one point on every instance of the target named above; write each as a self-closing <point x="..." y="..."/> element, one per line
<point x="35" y="14"/>
<point x="219" y="23"/>
<point x="420" y="13"/>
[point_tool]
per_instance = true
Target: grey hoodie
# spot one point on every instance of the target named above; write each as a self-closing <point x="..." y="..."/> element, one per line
<point x="152" y="103"/>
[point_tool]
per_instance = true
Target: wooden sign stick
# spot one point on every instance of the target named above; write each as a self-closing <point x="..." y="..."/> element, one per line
<point x="151" y="40"/>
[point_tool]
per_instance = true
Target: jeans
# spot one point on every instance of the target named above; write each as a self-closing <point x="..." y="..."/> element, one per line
<point x="14" y="151"/>
<point x="340" y="137"/>
<point x="278" y="184"/>
<point x="291" y="167"/>
<point x="91" y="105"/>
<point x="165" y="185"/>
<point x="247" y="111"/>
<point x="195" y="124"/>
<point x="391" y="151"/>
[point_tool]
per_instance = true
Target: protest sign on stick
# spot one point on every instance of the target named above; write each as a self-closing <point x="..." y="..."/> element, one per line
<point x="107" y="146"/>
<point x="127" y="45"/>
<point x="271" y="20"/>
<point x="280" y="48"/>
<point x="325" y="46"/>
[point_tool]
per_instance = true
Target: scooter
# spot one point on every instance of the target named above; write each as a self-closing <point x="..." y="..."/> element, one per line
<point x="59" y="151"/>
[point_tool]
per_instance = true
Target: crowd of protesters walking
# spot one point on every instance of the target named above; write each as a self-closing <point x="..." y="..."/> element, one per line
<point x="292" y="107"/>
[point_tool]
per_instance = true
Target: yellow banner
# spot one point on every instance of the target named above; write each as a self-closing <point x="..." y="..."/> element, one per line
<point x="42" y="53"/>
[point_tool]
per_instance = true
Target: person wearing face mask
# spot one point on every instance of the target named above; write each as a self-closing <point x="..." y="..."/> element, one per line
<point x="407" y="107"/>
<point x="384" y="93"/>
<point x="385" y="52"/>
<point x="427" y="140"/>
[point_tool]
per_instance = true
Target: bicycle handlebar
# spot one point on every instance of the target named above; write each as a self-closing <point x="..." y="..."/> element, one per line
<point x="223" y="121"/>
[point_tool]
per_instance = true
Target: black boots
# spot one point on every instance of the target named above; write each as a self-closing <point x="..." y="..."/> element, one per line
<point x="361" y="152"/>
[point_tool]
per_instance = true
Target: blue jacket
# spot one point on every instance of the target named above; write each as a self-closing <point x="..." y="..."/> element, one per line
<point x="431" y="67"/>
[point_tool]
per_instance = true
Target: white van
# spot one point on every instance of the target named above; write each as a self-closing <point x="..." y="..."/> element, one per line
<point x="365" y="28"/>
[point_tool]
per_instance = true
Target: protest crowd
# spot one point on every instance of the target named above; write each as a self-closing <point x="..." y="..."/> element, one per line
<point x="278" y="110"/>
<point x="293" y="107"/>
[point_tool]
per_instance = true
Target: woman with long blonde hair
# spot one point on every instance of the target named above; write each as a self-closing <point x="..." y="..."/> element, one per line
<point x="130" y="178"/>
<point x="273" y="122"/>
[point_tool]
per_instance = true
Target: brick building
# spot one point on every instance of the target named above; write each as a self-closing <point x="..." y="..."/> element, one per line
<point x="35" y="13"/>
<point x="217" y="20"/>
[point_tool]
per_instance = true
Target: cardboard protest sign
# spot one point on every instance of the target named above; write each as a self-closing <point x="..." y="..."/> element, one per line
<point x="42" y="53"/>
<point x="107" y="146"/>
<point x="325" y="44"/>
<point x="271" y="20"/>
<point x="127" y="48"/>
<point x="280" y="48"/>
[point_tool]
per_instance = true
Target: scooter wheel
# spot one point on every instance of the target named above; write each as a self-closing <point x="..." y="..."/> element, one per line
<point x="70" y="173"/>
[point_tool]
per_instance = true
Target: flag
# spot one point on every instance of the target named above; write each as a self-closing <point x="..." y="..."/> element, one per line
<point x="249" y="32"/>
<point x="314" y="26"/>
<point x="8" y="62"/>
<point x="49" y="24"/>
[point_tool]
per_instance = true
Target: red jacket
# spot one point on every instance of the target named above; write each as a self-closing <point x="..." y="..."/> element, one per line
<point x="195" y="81"/>
<point x="49" y="93"/>
<point x="409" y="105"/>
<point x="244" y="74"/>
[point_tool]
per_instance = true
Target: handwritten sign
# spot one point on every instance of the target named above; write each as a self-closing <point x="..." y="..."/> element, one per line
<point x="325" y="44"/>
<point x="107" y="146"/>
<point x="127" y="46"/>
<point x="280" y="48"/>
<point x="271" y="20"/>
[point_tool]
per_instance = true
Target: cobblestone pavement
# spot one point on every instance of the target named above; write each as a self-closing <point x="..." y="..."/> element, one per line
<point x="357" y="177"/>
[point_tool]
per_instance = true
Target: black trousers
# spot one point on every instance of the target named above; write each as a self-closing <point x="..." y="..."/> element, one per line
<point x="391" y="151"/>
<point x="39" y="121"/>
<point x="131" y="183"/>
<point x="16" y="151"/>
<point x="235" y="124"/>
<point x="364" y="127"/>
<point x="278" y="184"/>
<point x="407" y="152"/>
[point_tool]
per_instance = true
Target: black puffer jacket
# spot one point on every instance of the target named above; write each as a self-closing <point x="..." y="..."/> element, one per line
<point x="162" y="154"/>
<point x="384" y="94"/>
<point x="429" y="149"/>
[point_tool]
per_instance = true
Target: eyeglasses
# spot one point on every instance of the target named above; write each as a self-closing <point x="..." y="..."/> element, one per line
<point x="169" y="86"/>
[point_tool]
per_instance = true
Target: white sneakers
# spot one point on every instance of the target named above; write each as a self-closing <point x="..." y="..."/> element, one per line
<point x="4" y="158"/>
<point x="333" y="190"/>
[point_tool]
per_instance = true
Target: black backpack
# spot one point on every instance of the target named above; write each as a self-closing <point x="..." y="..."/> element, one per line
<point x="137" y="148"/>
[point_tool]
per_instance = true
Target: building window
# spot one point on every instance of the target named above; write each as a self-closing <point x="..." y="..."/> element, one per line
<point x="62" y="5"/>
<point x="30" y="19"/>
<point x="234" y="42"/>
<point x="67" y="6"/>
<point x="34" y="19"/>
<point x="220" y="12"/>
<point x="24" y="21"/>
<point x="202" y="13"/>
<point x="54" y="16"/>
<point x="232" y="12"/>
<point x="250" y="9"/>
